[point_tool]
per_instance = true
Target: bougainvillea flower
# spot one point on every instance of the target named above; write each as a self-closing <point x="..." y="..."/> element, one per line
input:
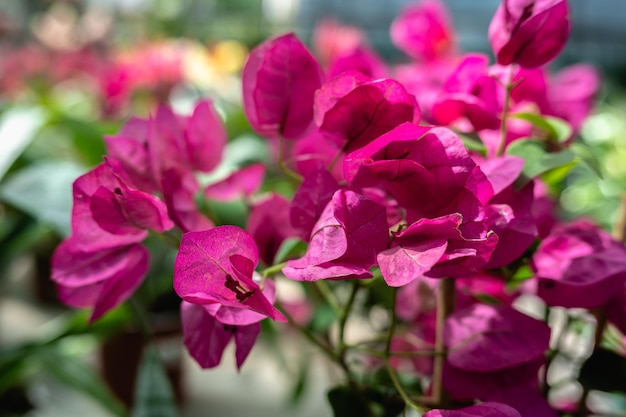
<point x="509" y="212"/>
<point x="216" y="266"/>
<point x="102" y="279"/>
<point x="529" y="32"/>
<point x="527" y="400"/>
<point x="279" y="81"/>
<point x="345" y="240"/>
<point x="544" y="209"/>
<point x="470" y="94"/>
<point x="242" y="183"/>
<point x="195" y="143"/>
<point x="572" y="93"/>
<point x="351" y="110"/>
<point x="130" y="148"/>
<point x="360" y="59"/>
<point x="423" y="30"/>
<point x="313" y="149"/>
<point x="331" y="39"/>
<point x="579" y="265"/>
<point x="268" y="226"/>
<point x="310" y="199"/>
<point x="431" y="160"/>
<point x="492" y="348"/>
<point x="488" y="409"/>
<point x="206" y="337"/>
<point x="107" y="213"/>
<point x="179" y="189"/>
<point x="429" y="242"/>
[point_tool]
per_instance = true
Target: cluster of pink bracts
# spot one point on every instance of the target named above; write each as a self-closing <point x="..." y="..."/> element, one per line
<point x="385" y="182"/>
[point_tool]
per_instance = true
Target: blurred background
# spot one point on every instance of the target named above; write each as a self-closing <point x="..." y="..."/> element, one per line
<point x="72" y="71"/>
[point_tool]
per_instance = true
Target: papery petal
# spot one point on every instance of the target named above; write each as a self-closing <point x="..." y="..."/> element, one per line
<point x="268" y="225"/>
<point x="179" y="189"/>
<point x="216" y="265"/>
<point x="240" y="316"/>
<point x="88" y="234"/>
<point x="310" y="199"/>
<point x="487" y="409"/>
<point x="313" y="149"/>
<point x="96" y="283"/>
<point x="423" y="30"/>
<point x="204" y="337"/>
<point x="245" y="337"/>
<point x="401" y="265"/>
<point x="240" y="184"/>
<point x="360" y="59"/>
<point x="527" y="400"/>
<point x="529" y="33"/>
<point x="486" y="338"/>
<point x="502" y="171"/>
<point x="205" y="137"/>
<point x="279" y="80"/>
<point x="359" y="115"/>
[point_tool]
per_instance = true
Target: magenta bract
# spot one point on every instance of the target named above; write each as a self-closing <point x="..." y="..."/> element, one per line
<point x="345" y="240"/>
<point x="310" y="199"/>
<point x="579" y="265"/>
<point x="179" y="189"/>
<point x="431" y="160"/>
<point x="216" y="266"/>
<point x="492" y="348"/>
<point x="279" y="81"/>
<point x="529" y="32"/>
<point x="352" y="110"/>
<point x="360" y="59"/>
<point x="107" y="213"/>
<point x="423" y="30"/>
<point x="470" y="94"/>
<point x="488" y="409"/>
<point x="240" y="184"/>
<point x="130" y="148"/>
<point x="269" y="225"/>
<point x="206" y="337"/>
<point x="102" y="279"/>
<point x="529" y="401"/>
<point x="424" y="244"/>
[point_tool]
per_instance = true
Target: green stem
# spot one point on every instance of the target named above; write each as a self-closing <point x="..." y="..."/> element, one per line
<point x="328" y="296"/>
<point x="387" y="355"/>
<point x="141" y="318"/>
<point x="445" y="307"/>
<point x="274" y="269"/>
<point x="281" y="163"/>
<point x="505" y="111"/>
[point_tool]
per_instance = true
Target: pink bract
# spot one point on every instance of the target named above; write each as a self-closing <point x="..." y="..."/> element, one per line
<point x="579" y="265"/>
<point x="352" y="110"/>
<point x="488" y="409"/>
<point x="242" y="183"/>
<point x="423" y="30"/>
<point x="470" y="95"/>
<point x="345" y="240"/>
<point x="361" y="59"/>
<point x="279" y="81"/>
<point x="492" y="348"/>
<point x="216" y="266"/>
<point x="310" y="199"/>
<point x="269" y="225"/>
<point x="179" y="189"/>
<point x="529" y="32"/>
<point x="102" y="279"/>
<point x="206" y="338"/>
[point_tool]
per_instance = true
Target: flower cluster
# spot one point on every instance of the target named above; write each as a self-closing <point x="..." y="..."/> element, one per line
<point x="413" y="177"/>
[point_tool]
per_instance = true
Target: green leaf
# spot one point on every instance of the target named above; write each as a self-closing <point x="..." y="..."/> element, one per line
<point x="555" y="129"/>
<point x="537" y="160"/>
<point x="473" y="143"/>
<point x="605" y="371"/>
<point x="153" y="394"/>
<point x="290" y="248"/>
<point x="584" y="153"/>
<point x="17" y="129"/>
<point x="87" y="137"/>
<point x="78" y="375"/>
<point x="44" y="191"/>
